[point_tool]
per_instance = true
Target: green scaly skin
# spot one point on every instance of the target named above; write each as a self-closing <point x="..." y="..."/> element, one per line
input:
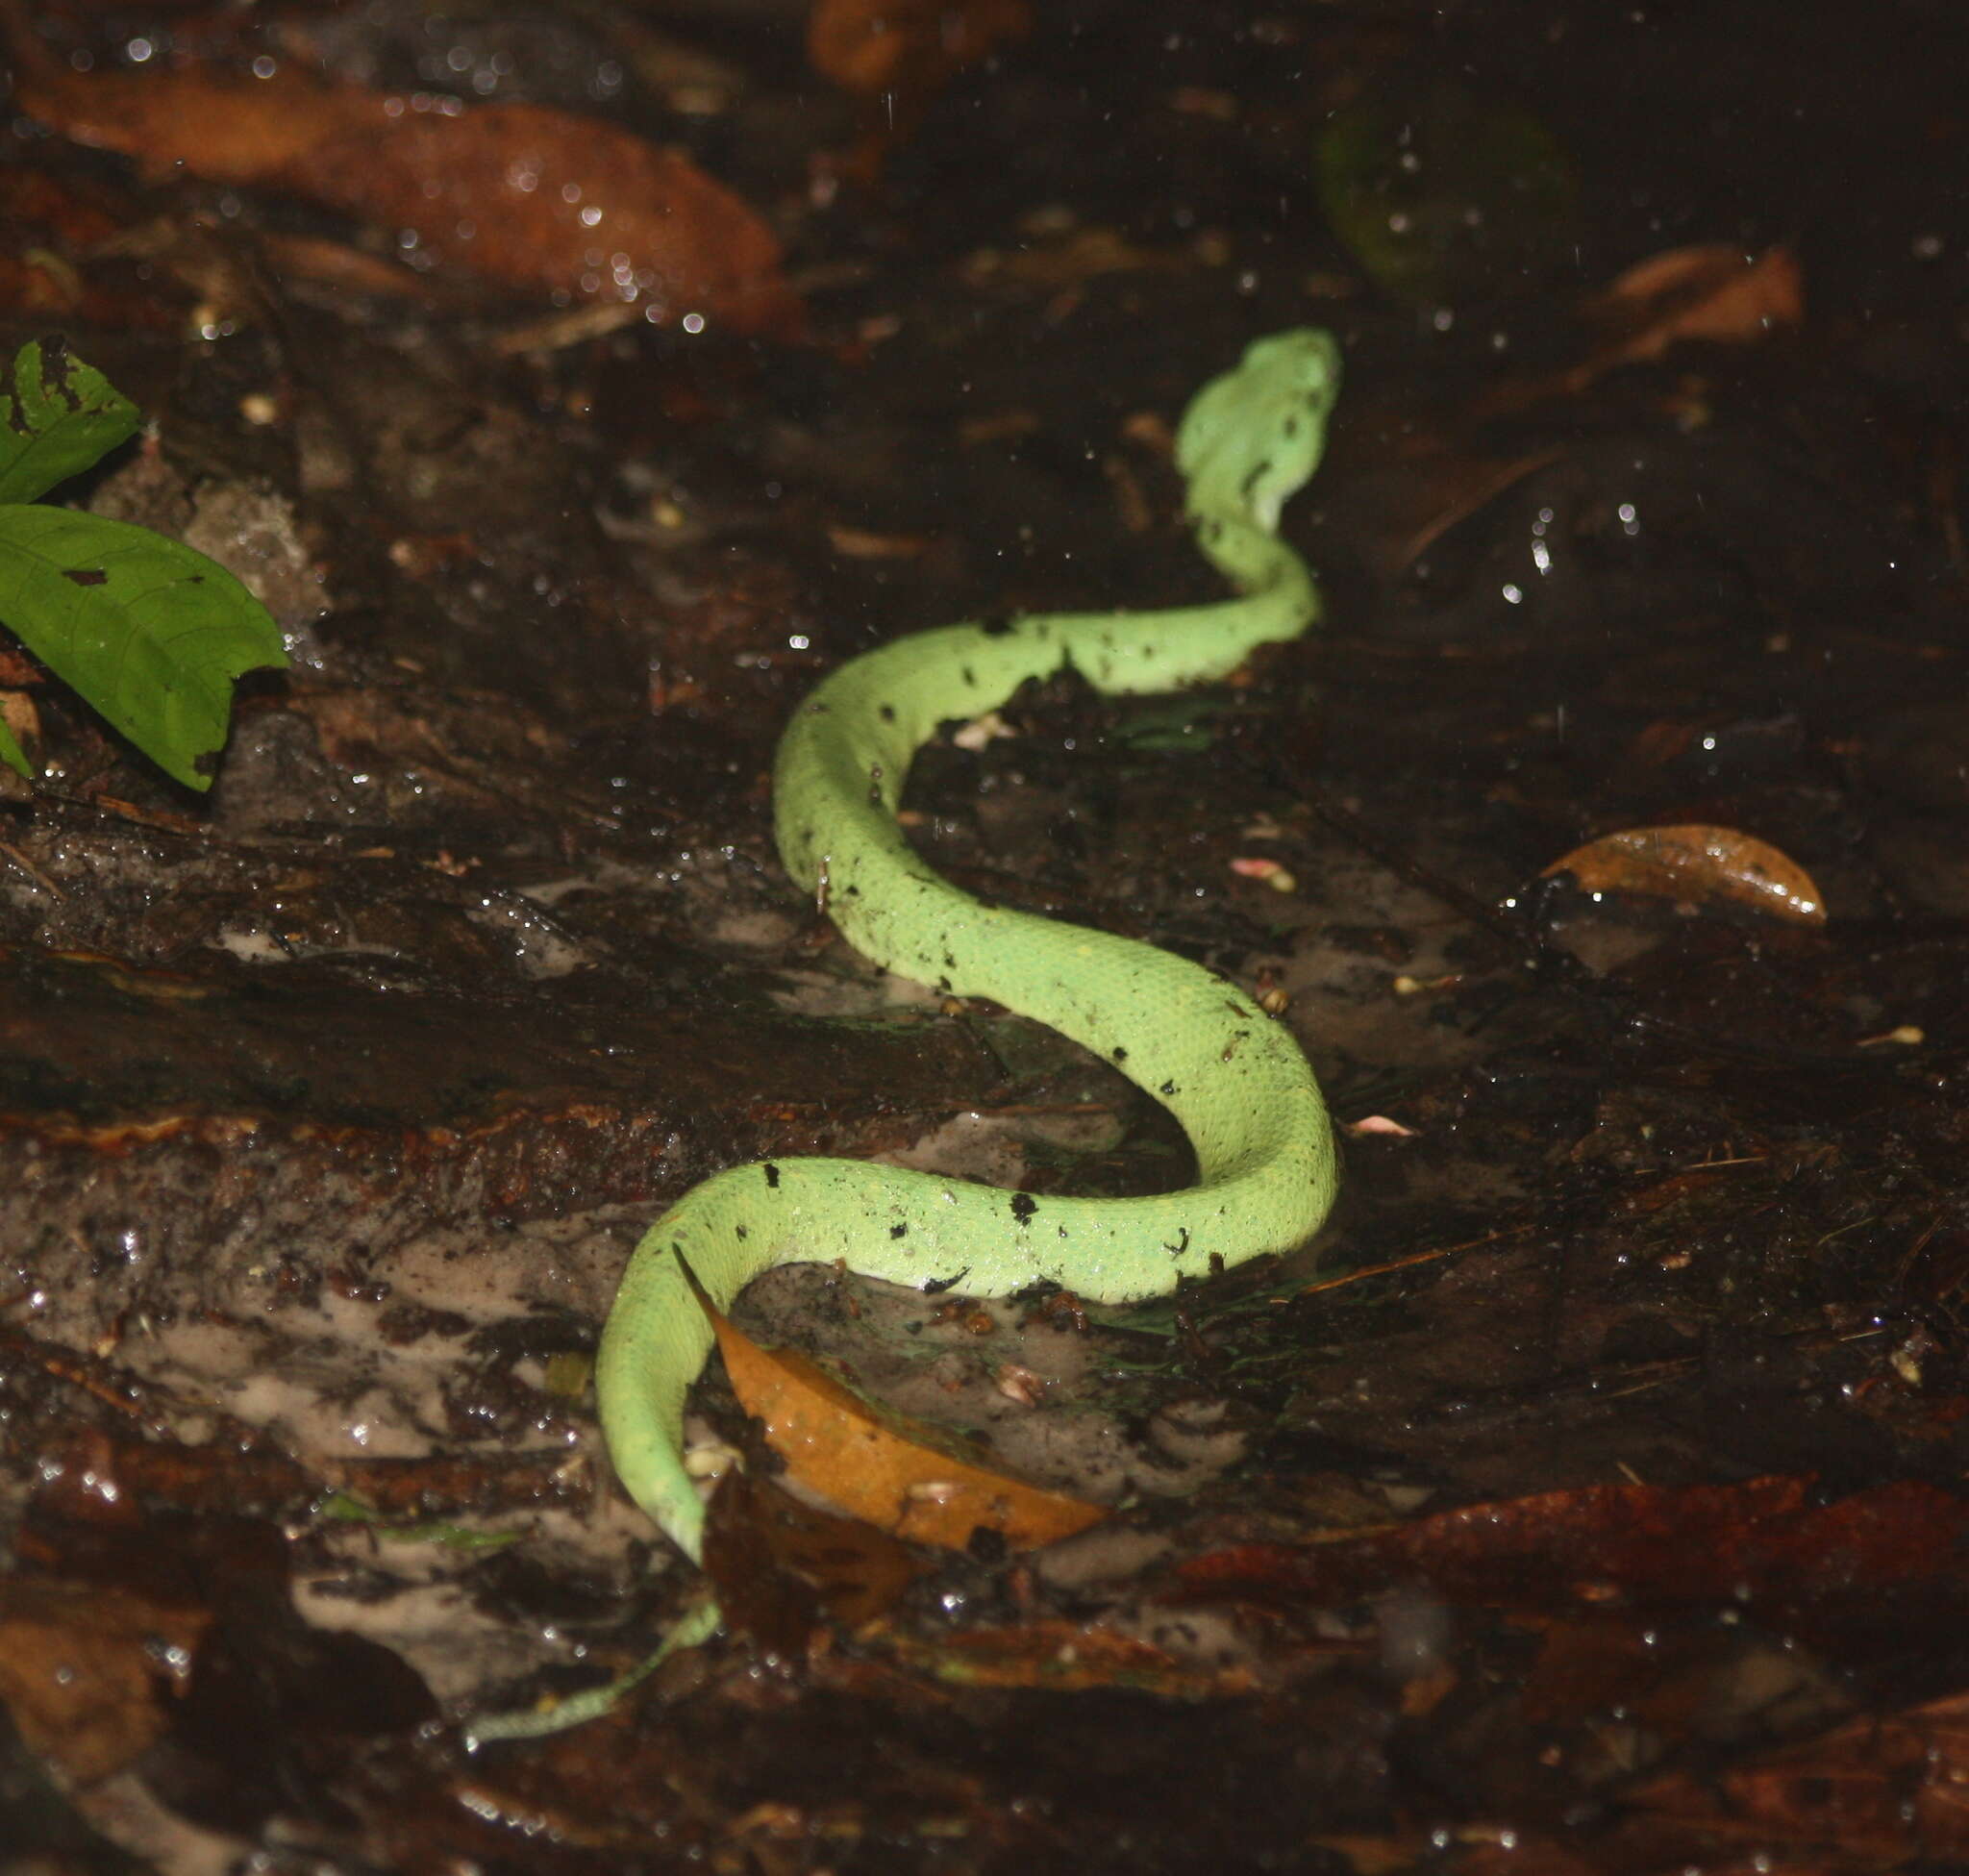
<point x="1233" y="1077"/>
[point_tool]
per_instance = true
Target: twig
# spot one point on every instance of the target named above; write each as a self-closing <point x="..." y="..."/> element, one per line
<point x="1405" y="1262"/>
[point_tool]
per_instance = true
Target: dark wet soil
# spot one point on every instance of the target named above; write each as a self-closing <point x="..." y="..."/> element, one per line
<point x="1605" y="1518"/>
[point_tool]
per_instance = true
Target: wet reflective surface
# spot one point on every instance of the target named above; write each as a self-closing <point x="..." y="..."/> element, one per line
<point x="1603" y="1518"/>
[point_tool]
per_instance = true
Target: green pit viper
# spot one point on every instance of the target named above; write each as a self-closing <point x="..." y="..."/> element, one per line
<point x="1232" y="1076"/>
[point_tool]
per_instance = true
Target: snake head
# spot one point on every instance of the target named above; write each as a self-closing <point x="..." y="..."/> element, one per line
<point x="1251" y="438"/>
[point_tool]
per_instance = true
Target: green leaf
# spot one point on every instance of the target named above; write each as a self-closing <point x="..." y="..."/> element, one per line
<point x="1442" y="193"/>
<point x="149" y="631"/>
<point x="345" y="1508"/>
<point x="57" y="418"/>
<point x="1184" y="722"/>
<point x="11" y="752"/>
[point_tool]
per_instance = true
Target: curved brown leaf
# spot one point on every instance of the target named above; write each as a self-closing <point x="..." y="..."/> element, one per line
<point x="921" y="1482"/>
<point x="1697" y="865"/>
<point x="527" y="196"/>
<point x="1711" y="291"/>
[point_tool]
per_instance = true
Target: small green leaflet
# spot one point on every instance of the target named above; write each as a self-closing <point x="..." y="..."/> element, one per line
<point x="147" y="629"/>
<point x="344" y="1508"/>
<point x="1186" y="721"/>
<point x="60" y="418"/>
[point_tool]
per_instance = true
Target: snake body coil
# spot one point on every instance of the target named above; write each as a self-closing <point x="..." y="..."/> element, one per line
<point x="1235" y="1078"/>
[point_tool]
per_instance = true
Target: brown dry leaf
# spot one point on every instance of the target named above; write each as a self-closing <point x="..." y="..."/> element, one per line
<point x="1086" y="254"/>
<point x="911" y="47"/>
<point x="79" y="1669"/>
<point x="55" y="233"/>
<point x="347" y="269"/>
<point x="1697" y="865"/>
<point x="1884" y="1787"/>
<point x="526" y="196"/>
<point x="1712" y="292"/>
<point x="1771" y="1547"/>
<point x="48" y="211"/>
<point x="920" y="1483"/>
<point x="1061" y="1656"/>
<point x="782" y="1568"/>
<point x="895" y="56"/>
<point x="863" y="544"/>
<point x="1467" y="485"/>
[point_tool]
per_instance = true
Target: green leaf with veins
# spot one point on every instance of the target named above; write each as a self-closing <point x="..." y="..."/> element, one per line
<point x="58" y="417"/>
<point x="149" y="631"/>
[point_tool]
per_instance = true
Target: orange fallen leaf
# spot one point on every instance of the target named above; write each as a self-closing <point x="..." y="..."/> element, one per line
<point x="1697" y="865"/>
<point x="526" y="196"/>
<point x="1713" y="292"/>
<point x="920" y="1483"/>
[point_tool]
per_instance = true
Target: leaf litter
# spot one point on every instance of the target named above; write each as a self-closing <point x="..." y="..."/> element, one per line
<point x="1467" y="1589"/>
<point x="916" y="1481"/>
<point x="530" y="198"/>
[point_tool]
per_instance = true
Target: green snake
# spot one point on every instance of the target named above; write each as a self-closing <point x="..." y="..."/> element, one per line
<point x="1231" y="1075"/>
